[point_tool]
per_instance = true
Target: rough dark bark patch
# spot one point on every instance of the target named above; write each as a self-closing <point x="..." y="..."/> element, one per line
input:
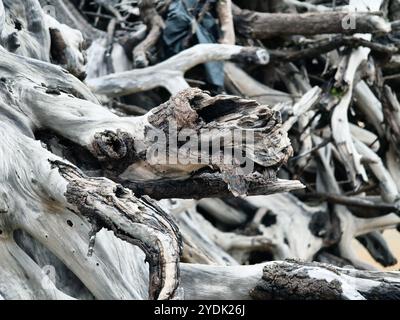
<point x="108" y="205"/>
<point x="58" y="47"/>
<point x="176" y="111"/>
<point x="251" y="55"/>
<point x="114" y="150"/>
<point x="285" y="283"/>
<point x="202" y="185"/>
<point x="385" y="291"/>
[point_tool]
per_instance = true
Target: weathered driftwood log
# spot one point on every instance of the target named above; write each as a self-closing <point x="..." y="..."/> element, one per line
<point x="169" y="74"/>
<point x="317" y="281"/>
<point x="51" y="211"/>
<point x="123" y="146"/>
<point x="262" y="25"/>
<point x="239" y="82"/>
<point x="280" y="227"/>
<point x="50" y="192"/>
<point x="206" y="184"/>
<point x="327" y="44"/>
<point x="281" y="280"/>
<point x="346" y="81"/>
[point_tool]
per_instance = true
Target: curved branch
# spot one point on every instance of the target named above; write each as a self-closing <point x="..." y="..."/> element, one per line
<point x="155" y="24"/>
<point x="170" y="73"/>
<point x="124" y="146"/>
<point x="105" y="204"/>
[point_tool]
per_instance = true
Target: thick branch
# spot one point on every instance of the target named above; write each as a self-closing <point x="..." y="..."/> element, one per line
<point x="155" y="24"/>
<point x="262" y="25"/>
<point x="126" y="146"/>
<point x="224" y="9"/>
<point x="306" y="281"/>
<point x="205" y="185"/>
<point x="170" y="73"/>
<point x="68" y="192"/>
<point x="287" y="280"/>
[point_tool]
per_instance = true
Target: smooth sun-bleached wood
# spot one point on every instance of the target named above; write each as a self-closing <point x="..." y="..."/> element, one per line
<point x="170" y="73"/>
<point x="52" y="197"/>
<point x="287" y="280"/>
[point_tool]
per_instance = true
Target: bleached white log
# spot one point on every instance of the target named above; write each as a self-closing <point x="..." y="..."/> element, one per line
<point x="302" y="106"/>
<point x="365" y="136"/>
<point x="367" y="102"/>
<point x="388" y="187"/>
<point x="21" y="278"/>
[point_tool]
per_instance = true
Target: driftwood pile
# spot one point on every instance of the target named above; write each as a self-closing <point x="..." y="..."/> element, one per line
<point x="120" y="173"/>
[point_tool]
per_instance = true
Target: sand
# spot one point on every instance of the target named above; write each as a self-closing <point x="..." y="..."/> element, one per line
<point x="393" y="239"/>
